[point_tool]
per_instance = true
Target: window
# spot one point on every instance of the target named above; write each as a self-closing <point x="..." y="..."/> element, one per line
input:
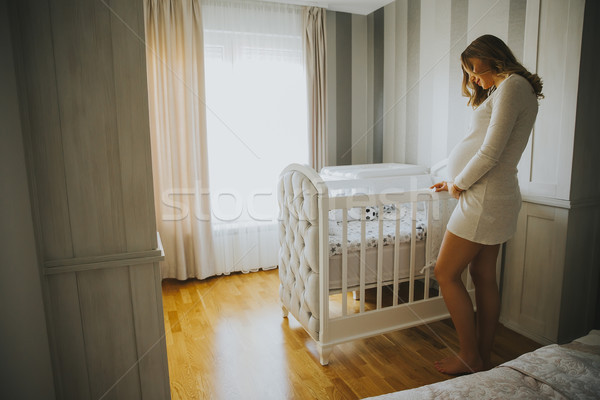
<point x="256" y="116"/>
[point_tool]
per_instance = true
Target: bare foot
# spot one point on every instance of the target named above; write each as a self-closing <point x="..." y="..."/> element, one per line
<point x="459" y="365"/>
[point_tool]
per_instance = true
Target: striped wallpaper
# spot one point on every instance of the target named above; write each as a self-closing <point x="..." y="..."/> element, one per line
<point x="394" y="79"/>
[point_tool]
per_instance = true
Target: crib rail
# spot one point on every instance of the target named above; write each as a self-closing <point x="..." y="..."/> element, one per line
<point x="379" y="318"/>
<point x="434" y="212"/>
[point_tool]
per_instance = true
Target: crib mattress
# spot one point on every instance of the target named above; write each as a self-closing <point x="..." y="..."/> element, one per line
<point x="372" y="232"/>
<point x="370" y="265"/>
<point x="368" y="171"/>
<point x="372" y="242"/>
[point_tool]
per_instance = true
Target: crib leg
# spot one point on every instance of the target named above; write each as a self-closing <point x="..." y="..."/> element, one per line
<point x="284" y="311"/>
<point x="324" y="353"/>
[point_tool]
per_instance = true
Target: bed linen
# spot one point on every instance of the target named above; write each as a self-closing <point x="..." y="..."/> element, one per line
<point x="569" y="371"/>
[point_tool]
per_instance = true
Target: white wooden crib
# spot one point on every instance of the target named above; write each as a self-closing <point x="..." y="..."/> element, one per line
<point x="395" y="249"/>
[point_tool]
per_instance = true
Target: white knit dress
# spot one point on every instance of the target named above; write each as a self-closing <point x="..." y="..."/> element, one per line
<point x="484" y="163"/>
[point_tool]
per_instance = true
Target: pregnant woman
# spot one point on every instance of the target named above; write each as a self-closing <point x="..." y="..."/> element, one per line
<point x="483" y="166"/>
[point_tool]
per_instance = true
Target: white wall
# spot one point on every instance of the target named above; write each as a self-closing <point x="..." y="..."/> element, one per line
<point x="26" y="371"/>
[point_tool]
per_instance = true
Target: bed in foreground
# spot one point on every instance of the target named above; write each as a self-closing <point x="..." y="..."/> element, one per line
<point x="570" y="371"/>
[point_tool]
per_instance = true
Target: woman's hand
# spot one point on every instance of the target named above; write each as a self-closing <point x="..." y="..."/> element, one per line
<point x="449" y="187"/>
<point x="440" y="186"/>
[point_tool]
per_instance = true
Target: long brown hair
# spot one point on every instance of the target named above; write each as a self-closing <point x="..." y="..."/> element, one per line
<point x="494" y="52"/>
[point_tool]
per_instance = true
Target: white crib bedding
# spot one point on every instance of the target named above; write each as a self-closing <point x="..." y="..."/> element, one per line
<point x="372" y="231"/>
<point x="353" y="277"/>
<point x="388" y="215"/>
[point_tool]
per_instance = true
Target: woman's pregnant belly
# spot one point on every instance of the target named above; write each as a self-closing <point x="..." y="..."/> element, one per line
<point x="461" y="154"/>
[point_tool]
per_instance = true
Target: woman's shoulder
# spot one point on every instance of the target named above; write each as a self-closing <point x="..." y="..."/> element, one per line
<point x="515" y="82"/>
<point x="516" y="86"/>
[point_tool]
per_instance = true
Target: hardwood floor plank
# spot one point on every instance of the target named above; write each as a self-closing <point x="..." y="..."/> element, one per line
<point x="226" y="339"/>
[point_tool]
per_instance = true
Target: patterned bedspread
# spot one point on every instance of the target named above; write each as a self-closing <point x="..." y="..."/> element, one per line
<point x="570" y="371"/>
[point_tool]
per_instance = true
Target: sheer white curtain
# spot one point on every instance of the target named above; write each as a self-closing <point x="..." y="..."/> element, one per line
<point x="175" y="60"/>
<point x="257" y="123"/>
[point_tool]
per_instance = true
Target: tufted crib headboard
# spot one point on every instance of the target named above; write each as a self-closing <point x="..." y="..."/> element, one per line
<point x="301" y="194"/>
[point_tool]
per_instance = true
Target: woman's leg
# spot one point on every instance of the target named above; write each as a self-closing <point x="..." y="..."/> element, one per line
<point x="455" y="254"/>
<point x="487" y="298"/>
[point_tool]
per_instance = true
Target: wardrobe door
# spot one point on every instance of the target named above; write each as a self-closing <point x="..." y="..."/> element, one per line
<point x="553" y="50"/>
<point x="83" y="98"/>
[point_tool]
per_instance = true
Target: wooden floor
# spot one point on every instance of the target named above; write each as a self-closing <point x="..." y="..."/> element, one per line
<point x="226" y="339"/>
